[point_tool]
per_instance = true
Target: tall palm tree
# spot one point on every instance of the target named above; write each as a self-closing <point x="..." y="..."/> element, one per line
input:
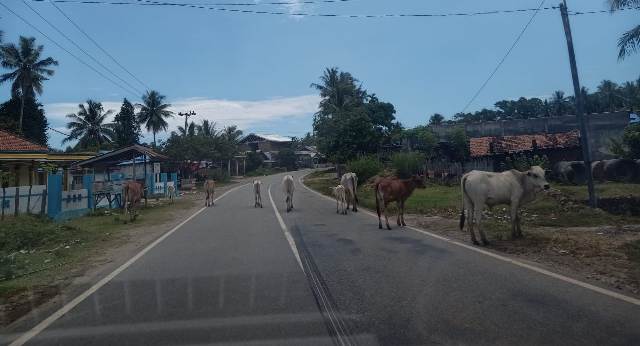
<point x="28" y="70"/>
<point x="629" y="42"/>
<point x="153" y="113"/>
<point x="88" y="126"/>
<point x="559" y="102"/>
<point x="339" y="90"/>
<point x="609" y="94"/>
<point x="208" y="129"/>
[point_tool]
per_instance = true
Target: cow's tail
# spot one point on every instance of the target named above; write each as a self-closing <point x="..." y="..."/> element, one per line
<point x="376" y="193"/>
<point x="464" y="193"/>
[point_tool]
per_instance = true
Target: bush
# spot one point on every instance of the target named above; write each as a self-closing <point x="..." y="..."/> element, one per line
<point x="217" y="174"/>
<point x="407" y="164"/>
<point x="254" y="161"/>
<point x="523" y="162"/>
<point x="365" y="167"/>
<point x="287" y="158"/>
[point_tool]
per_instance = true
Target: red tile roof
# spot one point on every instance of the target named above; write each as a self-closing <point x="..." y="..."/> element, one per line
<point x="14" y="143"/>
<point x="487" y="146"/>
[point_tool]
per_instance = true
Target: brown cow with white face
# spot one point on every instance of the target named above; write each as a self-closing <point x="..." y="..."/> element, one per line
<point x="514" y="188"/>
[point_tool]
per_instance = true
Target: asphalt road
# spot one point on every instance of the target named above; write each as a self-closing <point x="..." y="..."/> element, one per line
<point x="230" y="276"/>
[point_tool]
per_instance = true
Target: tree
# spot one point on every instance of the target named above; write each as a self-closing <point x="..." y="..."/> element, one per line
<point x="28" y="70"/>
<point x="254" y="161"/>
<point x="207" y="129"/>
<point x="35" y="122"/>
<point x="609" y="94"/>
<point x="459" y="143"/>
<point x="287" y="158"/>
<point x="436" y="119"/>
<point x="629" y="147"/>
<point x="153" y="113"/>
<point x="422" y="139"/>
<point x="126" y="127"/>
<point x="89" y="128"/>
<point x="559" y="103"/>
<point x="630" y="40"/>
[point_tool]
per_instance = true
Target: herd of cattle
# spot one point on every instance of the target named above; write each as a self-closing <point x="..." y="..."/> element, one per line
<point x="617" y="170"/>
<point x="479" y="189"/>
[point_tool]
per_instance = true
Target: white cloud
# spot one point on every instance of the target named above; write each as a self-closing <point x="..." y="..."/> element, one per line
<point x="244" y="114"/>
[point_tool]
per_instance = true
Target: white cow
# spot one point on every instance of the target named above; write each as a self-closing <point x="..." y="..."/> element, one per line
<point x="288" y="188"/>
<point x="341" y="199"/>
<point x="257" y="197"/>
<point x="515" y="188"/>
<point x="350" y="183"/>
<point x="171" y="193"/>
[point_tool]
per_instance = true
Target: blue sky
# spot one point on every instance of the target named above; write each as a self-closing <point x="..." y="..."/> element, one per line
<point x="255" y="70"/>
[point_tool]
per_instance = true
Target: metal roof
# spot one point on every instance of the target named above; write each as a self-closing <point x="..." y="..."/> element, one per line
<point x="123" y="154"/>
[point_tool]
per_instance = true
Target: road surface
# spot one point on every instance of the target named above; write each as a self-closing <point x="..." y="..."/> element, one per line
<point x="234" y="275"/>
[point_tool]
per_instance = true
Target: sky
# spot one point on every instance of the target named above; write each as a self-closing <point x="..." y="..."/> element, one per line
<point x="255" y="70"/>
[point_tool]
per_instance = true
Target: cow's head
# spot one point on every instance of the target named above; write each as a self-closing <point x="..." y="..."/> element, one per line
<point x="535" y="176"/>
<point x="419" y="181"/>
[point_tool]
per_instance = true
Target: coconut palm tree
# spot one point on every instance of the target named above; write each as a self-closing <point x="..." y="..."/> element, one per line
<point x="28" y="71"/>
<point x="609" y="94"/>
<point x="339" y="91"/>
<point x="88" y="126"/>
<point x="208" y="129"/>
<point x="153" y="113"/>
<point x="559" y="102"/>
<point x="629" y="42"/>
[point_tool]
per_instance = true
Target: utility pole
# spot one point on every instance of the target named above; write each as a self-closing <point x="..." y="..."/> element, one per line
<point x="186" y="116"/>
<point x="584" y="136"/>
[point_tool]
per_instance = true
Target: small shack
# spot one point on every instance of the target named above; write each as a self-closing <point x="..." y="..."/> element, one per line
<point x="108" y="171"/>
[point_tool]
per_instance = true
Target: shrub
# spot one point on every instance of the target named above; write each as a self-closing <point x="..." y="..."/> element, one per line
<point x="365" y="167"/>
<point x="254" y="161"/>
<point x="523" y="162"/>
<point x="407" y="164"/>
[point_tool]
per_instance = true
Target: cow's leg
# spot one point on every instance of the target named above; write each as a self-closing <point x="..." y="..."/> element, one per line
<point x="518" y="224"/>
<point x="399" y="206"/>
<point x="478" y="222"/>
<point x="402" y="214"/>
<point x="514" y="220"/>
<point x="386" y="217"/>
<point x="337" y="205"/>
<point x="472" y="221"/>
<point x="355" y="201"/>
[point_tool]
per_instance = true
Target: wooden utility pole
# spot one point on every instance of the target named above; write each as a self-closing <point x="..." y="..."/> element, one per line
<point x="186" y="116"/>
<point x="584" y="135"/>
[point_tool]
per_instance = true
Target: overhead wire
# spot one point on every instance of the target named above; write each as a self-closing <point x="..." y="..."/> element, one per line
<point x="99" y="46"/>
<point x="64" y="49"/>
<point x="504" y="58"/>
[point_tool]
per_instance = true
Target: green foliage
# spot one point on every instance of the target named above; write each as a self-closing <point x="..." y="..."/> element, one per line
<point x="422" y="139"/>
<point x="126" y="127"/>
<point x="206" y="143"/>
<point x="218" y="174"/>
<point x="153" y="113"/>
<point x="523" y="162"/>
<point x="6" y="178"/>
<point x="459" y="143"/>
<point x="365" y="167"/>
<point x="254" y="161"/>
<point x="436" y="119"/>
<point x="629" y="42"/>
<point x="630" y="146"/>
<point x="407" y="164"/>
<point x="88" y="127"/>
<point x="34" y="123"/>
<point x="350" y="122"/>
<point x="287" y="158"/>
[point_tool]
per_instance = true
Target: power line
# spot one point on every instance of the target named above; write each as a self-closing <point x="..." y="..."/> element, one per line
<point x="98" y="45"/>
<point x="220" y="3"/>
<point x="58" y="131"/>
<point x="515" y="43"/>
<point x="304" y="14"/>
<point x="82" y="50"/>
<point x="64" y="49"/>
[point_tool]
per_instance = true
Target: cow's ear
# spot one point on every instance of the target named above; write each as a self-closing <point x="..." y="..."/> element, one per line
<point x="529" y="173"/>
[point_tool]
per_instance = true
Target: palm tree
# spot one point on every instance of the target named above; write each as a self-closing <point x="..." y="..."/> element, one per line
<point x="207" y="129"/>
<point x="28" y="70"/>
<point x="338" y="90"/>
<point x="88" y="126"/>
<point x="610" y="94"/>
<point x="559" y="102"/>
<point x="153" y="113"/>
<point x="630" y="40"/>
<point x="436" y="119"/>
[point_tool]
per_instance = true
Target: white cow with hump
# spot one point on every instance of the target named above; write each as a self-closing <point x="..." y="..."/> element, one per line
<point x="288" y="188"/>
<point x="350" y="183"/>
<point x="514" y="188"/>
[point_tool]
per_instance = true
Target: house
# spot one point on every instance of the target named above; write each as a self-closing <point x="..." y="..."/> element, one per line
<point x="28" y="162"/>
<point x="309" y="157"/>
<point x="267" y="144"/>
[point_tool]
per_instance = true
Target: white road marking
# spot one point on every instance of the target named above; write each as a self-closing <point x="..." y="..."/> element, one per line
<point x="77" y="300"/>
<point x="287" y="234"/>
<point x="513" y="261"/>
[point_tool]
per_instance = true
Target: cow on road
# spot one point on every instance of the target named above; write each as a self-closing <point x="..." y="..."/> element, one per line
<point x="350" y="183"/>
<point x="210" y="189"/>
<point x="257" y="197"/>
<point x="481" y="189"/>
<point x="288" y="188"/>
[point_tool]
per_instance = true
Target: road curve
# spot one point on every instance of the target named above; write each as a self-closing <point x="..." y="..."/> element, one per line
<point x="234" y="274"/>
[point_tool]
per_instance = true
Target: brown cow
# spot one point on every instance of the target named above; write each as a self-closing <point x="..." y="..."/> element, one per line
<point x="210" y="189"/>
<point x="389" y="190"/>
<point x="132" y="193"/>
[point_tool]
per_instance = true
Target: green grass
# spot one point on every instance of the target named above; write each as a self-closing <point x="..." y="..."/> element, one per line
<point x="632" y="249"/>
<point x="35" y="251"/>
<point x="552" y="211"/>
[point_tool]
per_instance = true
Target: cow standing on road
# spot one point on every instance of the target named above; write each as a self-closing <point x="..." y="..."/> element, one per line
<point x="288" y="188"/>
<point x="257" y="197"/>
<point x="210" y="189"/>
<point x="389" y="190"/>
<point x="171" y="193"/>
<point x="350" y="183"/>
<point x="132" y="193"/>
<point x="515" y="188"/>
<point x="341" y="200"/>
